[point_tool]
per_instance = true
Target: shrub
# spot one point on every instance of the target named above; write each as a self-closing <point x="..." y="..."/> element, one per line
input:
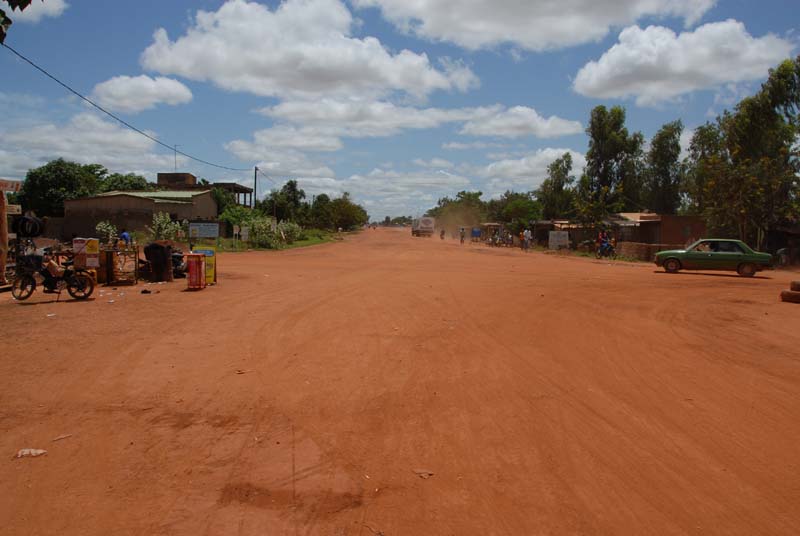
<point x="164" y="228"/>
<point x="289" y="231"/>
<point x="261" y="234"/>
<point x="107" y="231"/>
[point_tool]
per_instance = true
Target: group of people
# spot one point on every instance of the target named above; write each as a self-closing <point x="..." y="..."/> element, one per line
<point x="506" y="238"/>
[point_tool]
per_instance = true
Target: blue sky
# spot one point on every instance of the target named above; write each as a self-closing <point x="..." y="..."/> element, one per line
<point x="397" y="102"/>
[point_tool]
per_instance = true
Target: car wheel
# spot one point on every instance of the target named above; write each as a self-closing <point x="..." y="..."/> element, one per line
<point x="746" y="270"/>
<point x="672" y="265"/>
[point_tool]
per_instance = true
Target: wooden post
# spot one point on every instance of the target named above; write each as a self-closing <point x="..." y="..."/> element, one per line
<point x="3" y="237"/>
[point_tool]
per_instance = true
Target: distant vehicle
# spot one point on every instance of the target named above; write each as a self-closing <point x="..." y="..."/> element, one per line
<point x="424" y="226"/>
<point x="715" y="254"/>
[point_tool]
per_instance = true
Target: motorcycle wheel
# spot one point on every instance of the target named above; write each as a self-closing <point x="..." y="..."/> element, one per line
<point x="80" y="286"/>
<point x="23" y="286"/>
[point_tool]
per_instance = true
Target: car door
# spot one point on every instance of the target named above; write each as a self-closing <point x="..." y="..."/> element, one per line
<point x="700" y="256"/>
<point x="728" y="256"/>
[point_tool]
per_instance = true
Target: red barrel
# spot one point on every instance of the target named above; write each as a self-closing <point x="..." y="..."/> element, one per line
<point x="196" y="265"/>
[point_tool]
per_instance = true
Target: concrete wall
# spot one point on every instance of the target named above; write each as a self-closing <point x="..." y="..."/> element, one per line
<point x="177" y="211"/>
<point x="130" y="212"/>
<point x="125" y="212"/>
<point x="205" y="208"/>
<point x="176" y="179"/>
<point x="682" y="229"/>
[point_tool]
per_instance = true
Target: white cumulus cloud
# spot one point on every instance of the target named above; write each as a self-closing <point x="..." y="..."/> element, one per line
<point x="531" y="24"/>
<point x="137" y="93"/>
<point x="366" y="119"/>
<point x="526" y="173"/>
<point x="655" y="64"/>
<point x="520" y="121"/>
<point x="36" y="11"/>
<point x="302" y="48"/>
<point x="85" y="138"/>
<point x="434" y="163"/>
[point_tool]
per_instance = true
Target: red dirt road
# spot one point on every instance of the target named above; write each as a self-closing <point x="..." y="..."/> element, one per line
<point x="311" y="391"/>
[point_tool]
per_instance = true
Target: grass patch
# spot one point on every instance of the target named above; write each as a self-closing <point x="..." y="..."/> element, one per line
<point x="310" y="237"/>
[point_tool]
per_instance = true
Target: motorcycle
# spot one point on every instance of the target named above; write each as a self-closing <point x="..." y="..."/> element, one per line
<point x="78" y="282"/>
<point x="606" y="249"/>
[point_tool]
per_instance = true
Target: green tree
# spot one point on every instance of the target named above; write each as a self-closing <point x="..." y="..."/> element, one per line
<point x="347" y="215"/>
<point x="321" y="212"/>
<point x="556" y="194"/>
<point x="236" y="215"/>
<point x="514" y="208"/>
<point x="755" y="184"/>
<point x="130" y="182"/>
<point x="664" y="170"/>
<point x="286" y="204"/>
<point x="5" y="21"/>
<point x="46" y="188"/>
<point x="294" y="196"/>
<point x="613" y="175"/>
<point x="223" y="198"/>
<point x="465" y="210"/>
<point x="706" y="155"/>
<point x="387" y="221"/>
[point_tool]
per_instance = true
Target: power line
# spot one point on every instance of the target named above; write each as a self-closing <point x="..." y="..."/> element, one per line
<point x="145" y="134"/>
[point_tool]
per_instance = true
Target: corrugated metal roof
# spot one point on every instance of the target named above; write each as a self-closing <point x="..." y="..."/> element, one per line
<point x="171" y="202"/>
<point x="640" y="216"/>
<point x="176" y="195"/>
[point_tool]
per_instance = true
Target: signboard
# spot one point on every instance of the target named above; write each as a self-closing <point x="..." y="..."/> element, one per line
<point x="87" y="252"/>
<point x="245" y="233"/>
<point x="211" y="262"/>
<point x="558" y="240"/>
<point x="13" y="210"/>
<point x="204" y="230"/>
<point x="10" y="186"/>
<point x="236" y="229"/>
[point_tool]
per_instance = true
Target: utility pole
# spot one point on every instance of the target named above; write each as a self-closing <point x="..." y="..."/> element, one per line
<point x="175" y="148"/>
<point x="255" y="186"/>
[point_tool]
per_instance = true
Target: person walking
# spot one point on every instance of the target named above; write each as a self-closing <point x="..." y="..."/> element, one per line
<point x="463" y="235"/>
<point x="527" y="238"/>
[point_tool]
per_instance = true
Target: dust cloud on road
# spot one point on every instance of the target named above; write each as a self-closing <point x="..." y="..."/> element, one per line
<point x="406" y="386"/>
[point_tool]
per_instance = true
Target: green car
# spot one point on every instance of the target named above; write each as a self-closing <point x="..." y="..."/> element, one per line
<point x="715" y="254"/>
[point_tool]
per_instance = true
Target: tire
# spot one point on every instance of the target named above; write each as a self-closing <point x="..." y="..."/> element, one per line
<point x="80" y="286"/>
<point x="672" y="266"/>
<point x="23" y="286"/>
<point x="746" y="270"/>
<point x="795" y="286"/>
<point x="790" y="296"/>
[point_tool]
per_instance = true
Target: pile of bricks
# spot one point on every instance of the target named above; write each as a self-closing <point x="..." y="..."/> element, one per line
<point x="793" y="294"/>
